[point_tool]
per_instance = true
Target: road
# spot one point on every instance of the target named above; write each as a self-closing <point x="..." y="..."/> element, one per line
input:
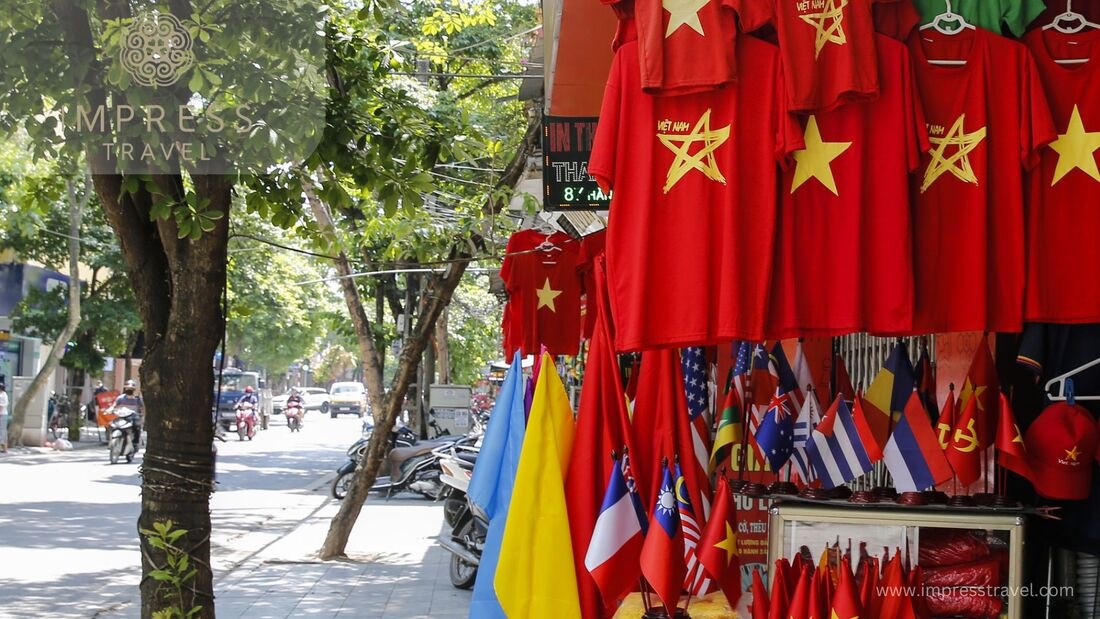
<point x="67" y="520"/>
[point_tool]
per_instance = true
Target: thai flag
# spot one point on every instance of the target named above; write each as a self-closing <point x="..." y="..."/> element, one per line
<point x="617" y="538"/>
<point x="835" y="448"/>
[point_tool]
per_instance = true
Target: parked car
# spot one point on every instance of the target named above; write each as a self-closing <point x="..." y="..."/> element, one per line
<point x="314" y="398"/>
<point x="347" y="398"/>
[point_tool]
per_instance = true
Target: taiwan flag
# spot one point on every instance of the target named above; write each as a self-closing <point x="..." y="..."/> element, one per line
<point x="662" y="558"/>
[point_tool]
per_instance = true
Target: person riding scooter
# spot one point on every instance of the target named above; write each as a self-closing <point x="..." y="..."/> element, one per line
<point x="130" y="399"/>
<point x="247" y="404"/>
<point x="294" y="410"/>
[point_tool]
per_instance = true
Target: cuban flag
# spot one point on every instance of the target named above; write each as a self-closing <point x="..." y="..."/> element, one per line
<point x="617" y="538"/>
<point x="808" y="418"/>
<point x="775" y="436"/>
<point x="913" y="453"/>
<point x="835" y="449"/>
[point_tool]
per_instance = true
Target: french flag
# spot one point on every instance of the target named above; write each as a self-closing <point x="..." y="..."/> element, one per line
<point x="617" y="538"/>
<point x="835" y="448"/>
<point x="913" y="453"/>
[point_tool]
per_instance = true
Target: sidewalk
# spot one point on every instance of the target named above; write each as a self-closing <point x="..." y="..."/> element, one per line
<point x="90" y="438"/>
<point x="394" y="569"/>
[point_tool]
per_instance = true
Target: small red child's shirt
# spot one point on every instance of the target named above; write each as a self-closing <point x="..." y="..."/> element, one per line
<point x="592" y="247"/>
<point x="544" y="300"/>
<point x="828" y="49"/>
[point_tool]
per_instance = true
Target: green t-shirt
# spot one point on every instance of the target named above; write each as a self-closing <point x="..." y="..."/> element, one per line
<point x="987" y="14"/>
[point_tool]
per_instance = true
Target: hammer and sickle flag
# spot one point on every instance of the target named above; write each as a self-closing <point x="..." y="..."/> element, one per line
<point x="965" y="453"/>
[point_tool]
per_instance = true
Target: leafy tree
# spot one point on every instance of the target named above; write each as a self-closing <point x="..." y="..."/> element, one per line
<point x="333" y="364"/>
<point x="474" y="319"/>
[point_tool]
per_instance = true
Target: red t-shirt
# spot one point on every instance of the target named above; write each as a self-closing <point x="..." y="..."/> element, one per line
<point x="844" y="259"/>
<point x="828" y="48"/>
<point x="592" y="246"/>
<point x="987" y="121"/>
<point x="544" y="300"/>
<point x="692" y="224"/>
<point x="684" y="46"/>
<point x="1089" y="8"/>
<point x="1064" y="191"/>
<point x="896" y="20"/>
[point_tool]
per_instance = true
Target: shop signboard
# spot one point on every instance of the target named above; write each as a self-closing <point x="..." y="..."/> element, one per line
<point x="566" y="147"/>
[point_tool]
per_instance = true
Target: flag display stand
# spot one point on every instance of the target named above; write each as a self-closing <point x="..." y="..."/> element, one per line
<point x="661" y="613"/>
<point x="917" y="533"/>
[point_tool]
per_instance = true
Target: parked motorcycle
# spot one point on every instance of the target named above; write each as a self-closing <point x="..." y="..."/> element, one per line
<point x="121" y="431"/>
<point x="246" y="420"/>
<point x="294" y="413"/>
<point x="410" y="463"/>
<point x="469" y="527"/>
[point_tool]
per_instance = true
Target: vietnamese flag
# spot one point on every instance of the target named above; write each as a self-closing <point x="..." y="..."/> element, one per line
<point x="780" y="600"/>
<point x="843" y="381"/>
<point x="982" y="383"/>
<point x="800" y="600"/>
<point x="945" y="425"/>
<point x="603" y="427"/>
<point x="821" y="594"/>
<point x="964" y="452"/>
<point x="897" y="603"/>
<point x="846" y="600"/>
<point x="1010" y="445"/>
<point x="868" y="587"/>
<point x="717" y="549"/>
<point x="759" y="606"/>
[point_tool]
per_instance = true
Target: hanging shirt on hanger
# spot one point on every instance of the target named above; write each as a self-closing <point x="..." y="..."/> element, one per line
<point x="684" y="46"/>
<point x="592" y="246"/>
<point x="1014" y="15"/>
<point x="691" y="232"/>
<point x="828" y="48"/>
<point x="987" y="121"/>
<point x="544" y="301"/>
<point x="844" y="259"/>
<point x="1090" y="9"/>
<point x="1063" y="218"/>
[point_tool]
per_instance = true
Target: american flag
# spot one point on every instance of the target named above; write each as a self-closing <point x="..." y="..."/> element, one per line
<point x="697" y="391"/>
<point x="741" y="368"/>
<point x="696" y="581"/>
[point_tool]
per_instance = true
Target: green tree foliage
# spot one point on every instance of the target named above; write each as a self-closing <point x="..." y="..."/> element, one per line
<point x="333" y="363"/>
<point x="474" y="322"/>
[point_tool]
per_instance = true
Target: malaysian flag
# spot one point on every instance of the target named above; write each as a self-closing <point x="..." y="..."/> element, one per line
<point x="696" y="580"/>
<point x="697" y="391"/>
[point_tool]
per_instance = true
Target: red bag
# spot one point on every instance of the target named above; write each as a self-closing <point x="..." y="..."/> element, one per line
<point x="963" y="603"/>
<point x="939" y="547"/>
<point x="982" y="573"/>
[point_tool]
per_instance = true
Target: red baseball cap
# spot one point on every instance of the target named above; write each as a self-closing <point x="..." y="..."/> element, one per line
<point x="1060" y="446"/>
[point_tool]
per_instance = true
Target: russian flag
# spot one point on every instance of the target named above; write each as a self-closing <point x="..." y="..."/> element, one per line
<point x="616" y="544"/>
<point x="835" y="449"/>
<point x="913" y="453"/>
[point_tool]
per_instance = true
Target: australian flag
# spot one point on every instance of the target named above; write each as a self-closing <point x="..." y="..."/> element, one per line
<point x="775" y="436"/>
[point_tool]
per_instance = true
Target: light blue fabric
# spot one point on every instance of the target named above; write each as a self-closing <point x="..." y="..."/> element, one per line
<point x="491" y="485"/>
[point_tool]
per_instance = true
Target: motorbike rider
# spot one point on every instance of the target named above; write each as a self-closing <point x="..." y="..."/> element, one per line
<point x="295" y="399"/>
<point x="130" y="399"/>
<point x="249" y="397"/>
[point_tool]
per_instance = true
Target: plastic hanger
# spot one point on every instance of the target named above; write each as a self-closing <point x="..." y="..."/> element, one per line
<point x="1064" y="385"/>
<point x="1081" y="24"/>
<point x="941" y="23"/>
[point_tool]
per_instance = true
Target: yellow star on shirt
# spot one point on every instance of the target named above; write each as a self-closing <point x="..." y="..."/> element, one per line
<point x="703" y="160"/>
<point x="1076" y="148"/>
<point x="729" y="544"/>
<point x="831" y="33"/>
<point x="683" y="13"/>
<point x="813" y="162"/>
<point x="1071" y="454"/>
<point x="958" y="163"/>
<point x="547" y="295"/>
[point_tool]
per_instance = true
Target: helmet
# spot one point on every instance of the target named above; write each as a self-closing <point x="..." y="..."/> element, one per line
<point x="248" y="389"/>
<point x="130" y="384"/>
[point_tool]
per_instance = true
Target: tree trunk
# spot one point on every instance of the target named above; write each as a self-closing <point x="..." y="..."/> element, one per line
<point x="436" y="298"/>
<point x="443" y="348"/>
<point x="76" y="215"/>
